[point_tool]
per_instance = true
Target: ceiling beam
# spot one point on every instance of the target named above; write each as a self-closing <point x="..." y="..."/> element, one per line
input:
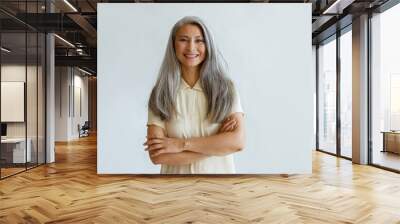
<point x="85" y="61"/>
<point x="337" y="6"/>
<point x="85" y="25"/>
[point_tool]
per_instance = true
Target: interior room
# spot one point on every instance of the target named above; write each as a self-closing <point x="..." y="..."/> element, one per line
<point x="54" y="119"/>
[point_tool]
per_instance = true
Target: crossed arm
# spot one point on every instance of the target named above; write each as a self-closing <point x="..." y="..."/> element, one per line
<point x="174" y="151"/>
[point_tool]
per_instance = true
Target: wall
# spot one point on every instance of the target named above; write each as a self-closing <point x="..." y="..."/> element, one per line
<point x="71" y="102"/>
<point x="80" y="109"/>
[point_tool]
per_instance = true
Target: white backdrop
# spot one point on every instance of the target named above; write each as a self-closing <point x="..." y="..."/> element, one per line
<point x="268" y="51"/>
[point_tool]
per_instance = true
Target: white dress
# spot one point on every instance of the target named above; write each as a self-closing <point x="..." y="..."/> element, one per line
<point x="191" y="122"/>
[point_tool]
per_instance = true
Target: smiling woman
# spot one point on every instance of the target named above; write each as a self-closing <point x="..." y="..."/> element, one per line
<point x="195" y="120"/>
<point x="189" y="46"/>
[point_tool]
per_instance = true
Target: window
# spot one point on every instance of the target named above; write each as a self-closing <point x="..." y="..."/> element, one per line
<point x="327" y="96"/>
<point x="385" y="89"/>
<point x="346" y="94"/>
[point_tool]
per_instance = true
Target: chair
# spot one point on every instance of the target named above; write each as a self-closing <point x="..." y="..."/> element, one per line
<point x="84" y="130"/>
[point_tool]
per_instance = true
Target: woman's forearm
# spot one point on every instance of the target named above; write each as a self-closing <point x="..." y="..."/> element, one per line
<point x="199" y="148"/>
<point x="181" y="158"/>
<point x="166" y="150"/>
<point x="218" y="144"/>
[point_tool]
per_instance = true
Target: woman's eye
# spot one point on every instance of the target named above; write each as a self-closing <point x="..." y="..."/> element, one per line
<point x="200" y="41"/>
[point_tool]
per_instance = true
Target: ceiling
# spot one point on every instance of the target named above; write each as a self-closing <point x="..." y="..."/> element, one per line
<point x="76" y="22"/>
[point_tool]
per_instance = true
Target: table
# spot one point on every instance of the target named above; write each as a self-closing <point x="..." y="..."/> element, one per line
<point x="13" y="150"/>
<point x="391" y="141"/>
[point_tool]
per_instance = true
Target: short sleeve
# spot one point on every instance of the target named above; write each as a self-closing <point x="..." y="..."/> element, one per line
<point x="237" y="106"/>
<point x="153" y="119"/>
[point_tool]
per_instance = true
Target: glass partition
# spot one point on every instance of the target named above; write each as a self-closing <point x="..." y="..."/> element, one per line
<point x="14" y="154"/>
<point x="32" y="95"/>
<point x="346" y="94"/>
<point x="327" y="96"/>
<point x="41" y="107"/>
<point x="22" y="77"/>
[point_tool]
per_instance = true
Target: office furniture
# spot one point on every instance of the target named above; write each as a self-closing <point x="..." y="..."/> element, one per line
<point x="13" y="150"/>
<point x="391" y="141"/>
<point x="84" y="130"/>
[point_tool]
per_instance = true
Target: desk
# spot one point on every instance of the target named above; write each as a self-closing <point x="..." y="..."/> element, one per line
<point x="15" y="148"/>
<point x="391" y="141"/>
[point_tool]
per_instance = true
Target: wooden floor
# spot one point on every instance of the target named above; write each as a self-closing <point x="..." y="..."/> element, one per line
<point x="8" y="171"/>
<point x="70" y="191"/>
<point x="5" y="172"/>
<point x="387" y="159"/>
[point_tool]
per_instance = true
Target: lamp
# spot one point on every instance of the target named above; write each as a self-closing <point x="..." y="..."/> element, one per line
<point x="5" y="50"/>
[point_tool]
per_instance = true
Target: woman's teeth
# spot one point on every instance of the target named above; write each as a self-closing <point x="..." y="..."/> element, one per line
<point x="191" y="55"/>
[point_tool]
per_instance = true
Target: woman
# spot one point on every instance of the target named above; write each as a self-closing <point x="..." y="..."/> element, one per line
<point x="195" y="119"/>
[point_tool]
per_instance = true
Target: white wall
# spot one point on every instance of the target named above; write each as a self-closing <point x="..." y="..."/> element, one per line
<point x="79" y="117"/>
<point x="61" y="103"/>
<point x="268" y="50"/>
<point x="67" y="84"/>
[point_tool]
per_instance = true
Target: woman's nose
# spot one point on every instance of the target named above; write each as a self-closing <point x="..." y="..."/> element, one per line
<point x="192" y="45"/>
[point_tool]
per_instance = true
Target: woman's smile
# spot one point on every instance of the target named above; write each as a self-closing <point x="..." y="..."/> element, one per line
<point x="191" y="56"/>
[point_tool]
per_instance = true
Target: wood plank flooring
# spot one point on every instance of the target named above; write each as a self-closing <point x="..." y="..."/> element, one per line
<point x="10" y="171"/>
<point x="70" y="191"/>
<point x="387" y="159"/>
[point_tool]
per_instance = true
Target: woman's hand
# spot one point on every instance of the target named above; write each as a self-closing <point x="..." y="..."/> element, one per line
<point x="157" y="146"/>
<point x="229" y="124"/>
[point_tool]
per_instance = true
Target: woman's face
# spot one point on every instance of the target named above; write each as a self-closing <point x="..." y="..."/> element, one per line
<point x="190" y="48"/>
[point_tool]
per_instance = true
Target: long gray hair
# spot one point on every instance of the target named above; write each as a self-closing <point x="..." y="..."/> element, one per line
<point x="217" y="87"/>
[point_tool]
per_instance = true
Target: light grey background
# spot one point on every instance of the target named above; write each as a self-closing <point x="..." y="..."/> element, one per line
<point x="268" y="50"/>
